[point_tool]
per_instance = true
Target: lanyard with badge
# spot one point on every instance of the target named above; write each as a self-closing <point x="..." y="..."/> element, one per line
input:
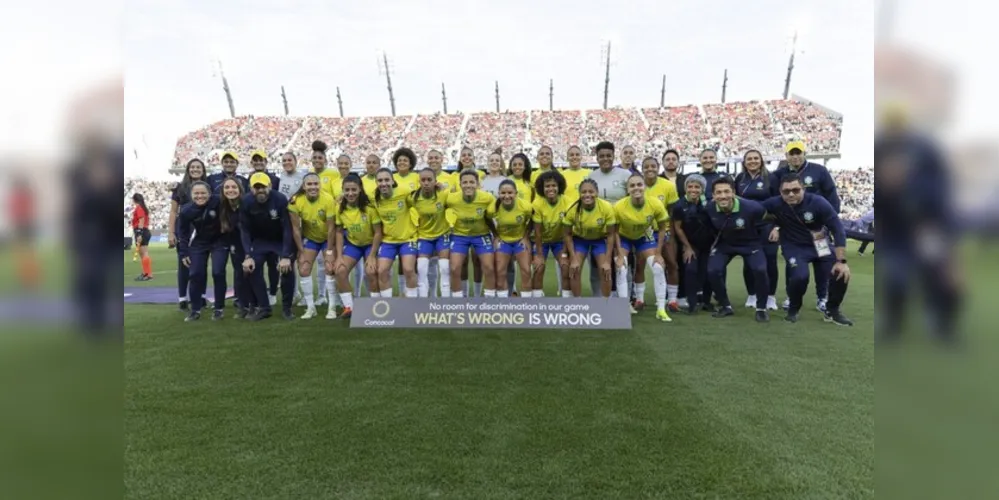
<point x="819" y="238"/>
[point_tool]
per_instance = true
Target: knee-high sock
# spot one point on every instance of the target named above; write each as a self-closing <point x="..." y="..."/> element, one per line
<point x="306" y="282"/>
<point x="558" y="278"/>
<point x="331" y="292"/>
<point x="445" y="277"/>
<point x="478" y="289"/>
<point x="658" y="282"/>
<point x="423" y="276"/>
<point x="622" y="282"/>
<point x="402" y="285"/>
<point x="321" y="275"/>
<point x="359" y="278"/>
<point x="432" y="276"/>
<point x="464" y="289"/>
<point x="640" y="291"/>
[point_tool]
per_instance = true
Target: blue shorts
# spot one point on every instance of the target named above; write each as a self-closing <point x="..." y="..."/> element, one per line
<point x="391" y="250"/>
<point x="640" y="245"/>
<point x="434" y="246"/>
<point x="596" y="247"/>
<point x="312" y="245"/>
<point x="482" y="244"/>
<point x="355" y="252"/>
<point x="556" y="248"/>
<point x="512" y="248"/>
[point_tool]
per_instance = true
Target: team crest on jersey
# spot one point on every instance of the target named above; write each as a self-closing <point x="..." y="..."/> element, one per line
<point x="440" y="207"/>
<point x="740" y="223"/>
<point x="808" y="181"/>
<point x="759" y="185"/>
<point x="561" y="215"/>
<point x="478" y="211"/>
<point x="662" y="198"/>
<point x="211" y="213"/>
<point x="400" y="204"/>
<point x="648" y="219"/>
<point x="808" y="216"/>
<point x="274" y="214"/>
<point x="364" y="217"/>
<point x="520" y="218"/>
<point x="600" y="221"/>
<point x="322" y="214"/>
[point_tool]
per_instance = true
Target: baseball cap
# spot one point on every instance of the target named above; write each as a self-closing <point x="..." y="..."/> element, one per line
<point x="260" y="178"/>
<point x="795" y="145"/>
<point x="260" y="152"/>
<point x="230" y="153"/>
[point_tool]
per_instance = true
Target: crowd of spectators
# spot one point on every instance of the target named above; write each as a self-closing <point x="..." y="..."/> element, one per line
<point x="819" y="129"/>
<point x="856" y="191"/>
<point x="242" y="134"/>
<point x="624" y="126"/>
<point x="378" y="135"/>
<point x="487" y="131"/>
<point x="437" y="131"/>
<point x="678" y="127"/>
<point x="559" y="130"/>
<point x="741" y="126"/>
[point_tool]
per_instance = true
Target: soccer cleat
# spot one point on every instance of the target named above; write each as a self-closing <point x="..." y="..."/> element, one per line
<point x="662" y="316"/>
<point x="309" y="313"/>
<point x="820" y="305"/>
<point x="837" y="318"/>
<point x="346" y="313"/>
<point x="193" y="316"/>
<point x="183" y="305"/>
<point x="792" y="316"/>
<point x="762" y="317"/>
<point x="772" y="303"/>
<point x="331" y="313"/>
<point x="218" y="315"/>
<point x="273" y="300"/>
<point x="723" y="312"/>
<point x="751" y="302"/>
<point x="673" y="306"/>
<point x="633" y="310"/>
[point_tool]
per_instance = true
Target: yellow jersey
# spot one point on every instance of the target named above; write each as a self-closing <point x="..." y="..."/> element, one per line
<point x="639" y="222"/>
<point x="397" y="222"/>
<point x="550" y="217"/>
<point x="592" y="224"/>
<point x="431" y="221"/>
<point x="313" y="214"/>
<point x="370" y="185"/>
<point x="525" y="190"/>
<point x="664" y="191"/>
<point x="511" y="224"/>
<point x="359" y="227"/>
<point x="573" y="178"/>
<point x="537" y="173"/>
<point x="447" y="181"/>
<point x="470" y="217"/>
<point x="411" y="181"/>
<point x="329" y="178"/>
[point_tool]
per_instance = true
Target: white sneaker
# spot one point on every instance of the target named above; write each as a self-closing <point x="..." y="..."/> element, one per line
<point x="820" y="304"/>
<point x="787" y="304"/>
<point x="309" y="313"/>
<point x="633" y="310"/>
<point x="331" y="313"/>
<point x="772" y="303"/>
<point x="273" y="300"/>
<point x="751" y="302"/>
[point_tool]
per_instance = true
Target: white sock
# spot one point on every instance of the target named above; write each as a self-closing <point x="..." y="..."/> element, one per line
<point x="306" y="282"/>
<point x="458" y="294"/>
<point x="432" y="275"/>
<point x="321" y="277"/>
<point x="658" y="282"/>
<point x="640" y="291"/>
<point x="558" y="276"/>
<point x="503" y="293"/>
<point x="478" y="289"/>
<point x="566" y="294"/>
<point x="423" y="276"/>
<point x="445" y="277"/>
<point x="331" y="291"/>
<point x="402" y="283"/>
<point x="622" y="282"/>
<point x="464" y="289"/>
<point x="412" y="293"/>
<point x="359" y="278"/>
<point x="489" y="293"/>
<point x="387" y="293"/>
<point x="347" y="298"/>
<point x="376" y="295"/>
<point x="672" y="291"/>
<point x="539" y="293"/>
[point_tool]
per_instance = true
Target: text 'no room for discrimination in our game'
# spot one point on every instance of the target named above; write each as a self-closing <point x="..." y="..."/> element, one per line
<point x="493" y="313"/>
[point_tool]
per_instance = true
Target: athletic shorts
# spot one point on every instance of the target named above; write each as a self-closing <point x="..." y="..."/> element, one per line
<point x="512" y="248"/>
<point x="393" y="250"/>
<point x="640" y="245"/>
<point x="313" y="245"/>
<point x="356" y="252"/>
<point x="482" y="244"/>
<point x="143" y="233"/>
<point x="596" y="247"/>
<point x="434" y="246"/>
<point x="555" y="247"/>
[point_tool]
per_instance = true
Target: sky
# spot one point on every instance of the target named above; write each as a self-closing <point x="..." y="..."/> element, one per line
<point x="313" y="46"/>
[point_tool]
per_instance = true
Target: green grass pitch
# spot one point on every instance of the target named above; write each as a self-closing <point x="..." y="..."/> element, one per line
<point x="700" y="408"/>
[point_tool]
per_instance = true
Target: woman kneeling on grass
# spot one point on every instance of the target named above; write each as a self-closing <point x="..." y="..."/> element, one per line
<point x="591" y="230"/>
<point x="642" y="229"/>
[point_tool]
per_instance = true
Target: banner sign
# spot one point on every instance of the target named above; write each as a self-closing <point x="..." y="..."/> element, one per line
<point x="493" y="313"/>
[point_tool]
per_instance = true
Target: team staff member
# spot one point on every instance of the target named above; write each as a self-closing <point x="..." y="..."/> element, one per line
<point x="696" y="235"/>
<point x="358" y="237"/>
<point x="549" y="212"/>
<point x="612" y="186"/>
<point x="312" y="214"/>
<point x="817" y="180"/>
<point x="193" y="172"/>
<point x="258" y="162"/>
<point x="473" y="229"/>
<point x="434" y="242"/>
<point x="591" y="230"/>
<point x="393" y="203"/>
<point x="511" y="220"/>
<point x="642" y="232"/>
<point x="757" y="184"/>
<point x="230" y="163"/>
<point x="232" y="198"/>
<point x="665" y="192"/>
<point x="709" y="170"/>
<point x="803" y="219"/>
<point x="671" y="170"/>
<point x="200" y="240"/>
<point x="265" y="229"/>
<point x="141" y="235"/>
<point x="291" y="177"/>
<point x="737" y="222"/>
